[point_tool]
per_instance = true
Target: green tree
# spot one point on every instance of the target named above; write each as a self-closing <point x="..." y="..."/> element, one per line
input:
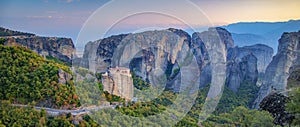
<point x="2" y="41"/>
<point x="244" y="117"/>
<point x="293" y="106"/>
<point x="241" y="117"/>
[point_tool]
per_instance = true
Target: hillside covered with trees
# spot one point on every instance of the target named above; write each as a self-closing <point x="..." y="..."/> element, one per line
<point x="27" y="77"/>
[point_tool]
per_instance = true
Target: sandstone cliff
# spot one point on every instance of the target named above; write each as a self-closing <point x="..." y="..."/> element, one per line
<point x="61" y="48"/>
<point x="151" y="51"/>
<point x="279" y="69"/>
<point x="155" y="50"/>
<point x="201" y="42"/>
<point x="148" y="54"/>
<point x="263" y="53"/>
<point x="241" y="62"/>
<point x="213" y="67"/>
<point x="97" y="54"/>
<point x="242" y="71"/>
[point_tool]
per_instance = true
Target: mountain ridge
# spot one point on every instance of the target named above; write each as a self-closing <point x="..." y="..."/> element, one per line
<point x="61" y="48"/>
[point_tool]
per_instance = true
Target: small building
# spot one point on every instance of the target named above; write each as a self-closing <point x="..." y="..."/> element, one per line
<point x="118" y="81"/>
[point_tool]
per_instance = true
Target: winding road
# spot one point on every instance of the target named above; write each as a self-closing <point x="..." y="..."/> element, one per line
<point x="56" y="112"/>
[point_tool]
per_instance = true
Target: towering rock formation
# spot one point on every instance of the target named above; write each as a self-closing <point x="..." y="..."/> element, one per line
<point x="143" y="44"/>
<point x="262" y="52"/>
<point x="216" y="41"/>
<point x="148" y="54"/>
<point x="151" y="51"/>
<point x="63" y="77"/>
<point x="155" y="50"/>
<point x="243" y="71"/>
<point x="241" y="62"/>
<point x="248" y="67"/>
<point x="61" y="48"/>
<point x="89" y="56"/>
<point x="200" y="42"/>
<point x="97" y="55"/>
<point x="279" y="69"/>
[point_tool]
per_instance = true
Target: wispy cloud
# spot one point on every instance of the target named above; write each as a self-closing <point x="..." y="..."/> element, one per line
<point x="51" y="12"/>
<point x="68" y="1"/>
<point x="45" y="17"/>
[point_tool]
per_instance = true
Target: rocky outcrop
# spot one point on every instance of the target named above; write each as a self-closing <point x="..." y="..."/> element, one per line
<point x="248" y="67"/>
<point x="225" y="36"/>
<point x="210" y="49"/>
<point x="147" y="54"/>
<point x="155" y="49"/>
<point x="201" y="42"/>
<point x="241" y="72"/>
<point x="89" y="56"/>
<point x="262" y="52"/>
<point x="201" y="53"/>
<point x="241" y="65"/>
<point x="61" y="48"/>
<point x="151" y="51"/>
<point x="63" y="77"/>
<point x="169" y="43"/>
<point x="279" y="69"/>
<point x="7" y="32"/>
<point x="294" y="78"/>
<point x="97" y="55"/>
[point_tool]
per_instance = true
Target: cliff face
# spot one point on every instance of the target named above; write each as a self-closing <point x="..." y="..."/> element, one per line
<point x="279" y="69"/>
<point x="7" y="32"/>
<point x="242" y="71"/>
<point x="203" y="43"/>
<point x="152" y="51"/>
<point x="241" y="63"/>
<point x="169" y="44"/>
<point x="226" y="37"/>
<point x="216" y="42"/>
<point x="164" y="50"/>
<point x="61" y="48"/>
<point x="148" y="54"/>
<point x="89" y="55"/>
<point x="294" y="78"/>
<point x="262" y="52"/>
<point x="97" y="55"/>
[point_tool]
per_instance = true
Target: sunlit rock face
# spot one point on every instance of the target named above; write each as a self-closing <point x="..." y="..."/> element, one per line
<point x="144" y="53"/>
<point x="281" y="66"/>
<point x="159" y="51"/>
<point x="61" y="48"/>
<point x="97" y="54"/>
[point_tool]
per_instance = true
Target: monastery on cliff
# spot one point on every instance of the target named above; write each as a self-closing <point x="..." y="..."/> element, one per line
<point x="118" y="81"/>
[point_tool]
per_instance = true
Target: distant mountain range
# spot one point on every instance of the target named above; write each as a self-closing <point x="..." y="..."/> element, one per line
<point x="268" y="33"/>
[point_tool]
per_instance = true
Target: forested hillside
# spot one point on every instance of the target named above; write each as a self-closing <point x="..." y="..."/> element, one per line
<point x="26" y="77"/>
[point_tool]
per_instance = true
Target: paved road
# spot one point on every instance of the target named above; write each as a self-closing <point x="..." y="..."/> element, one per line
<point x="84" y="110"/>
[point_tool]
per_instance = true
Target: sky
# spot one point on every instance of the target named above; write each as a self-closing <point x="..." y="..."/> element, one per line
<point x="95" y="19"/>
